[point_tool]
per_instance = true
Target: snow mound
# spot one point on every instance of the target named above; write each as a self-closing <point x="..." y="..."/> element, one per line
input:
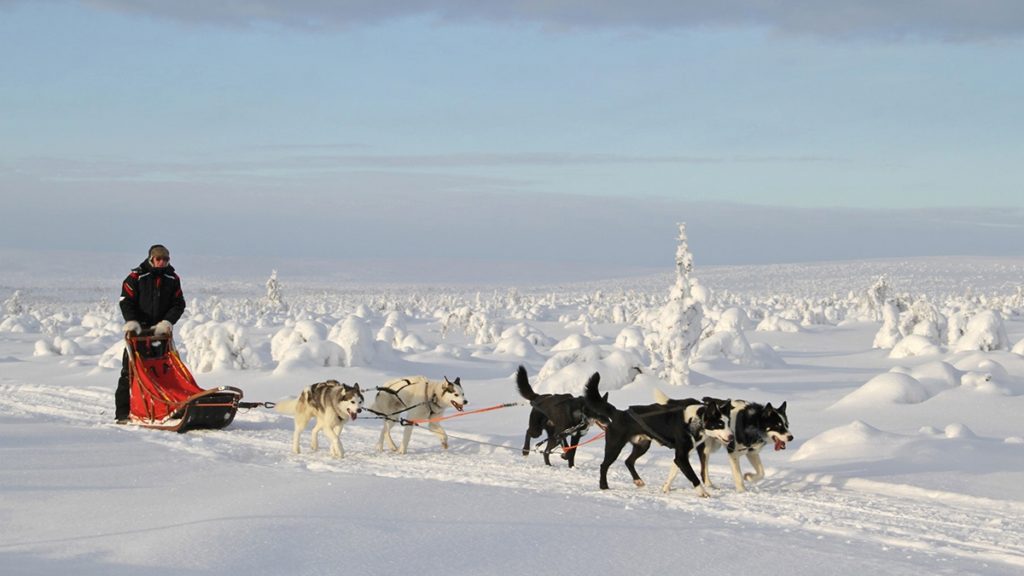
<point x="775" y="323"/>
<point x="1018" y="348"/>
<point x="888" y="388"/>
<point x="516" y="346"/>
<point x="914" y="345"/>
<point x="855" y="441"/>
<point x="572" y="342"/>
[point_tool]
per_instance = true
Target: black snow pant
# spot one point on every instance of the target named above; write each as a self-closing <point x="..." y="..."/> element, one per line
<point x="122" y="397"/>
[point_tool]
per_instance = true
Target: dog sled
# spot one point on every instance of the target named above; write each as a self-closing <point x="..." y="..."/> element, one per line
<point x="165" y="396"/>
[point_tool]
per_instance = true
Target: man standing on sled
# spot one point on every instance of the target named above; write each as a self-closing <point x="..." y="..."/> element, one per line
<point x="151" y="297"/>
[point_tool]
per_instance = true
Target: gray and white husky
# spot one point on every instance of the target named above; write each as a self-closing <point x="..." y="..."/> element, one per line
<point x="416" y="398"/>
<point x="332" y="404"/>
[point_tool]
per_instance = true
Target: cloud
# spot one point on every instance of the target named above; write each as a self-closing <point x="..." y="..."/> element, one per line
<point x="957" y="20"/>
<point x="302" y="161"/>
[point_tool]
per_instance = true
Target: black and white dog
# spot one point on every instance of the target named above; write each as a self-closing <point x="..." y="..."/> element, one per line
<point x="332" y="404"/>
<point x="753" y="426"/>
<point x="680" y="425"/>
<point x="561" y="416"/>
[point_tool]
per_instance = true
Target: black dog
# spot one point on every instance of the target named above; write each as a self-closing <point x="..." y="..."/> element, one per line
<point x="680" y="425"/>
<point x="561" y="416"/>
<point x="753" y="426"/>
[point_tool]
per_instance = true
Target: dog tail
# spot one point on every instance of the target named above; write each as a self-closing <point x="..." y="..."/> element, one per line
<point x="660" y="397"/>
<point x="523" y="383"/>
<point x="595" y="402"/>
<point x="286" y="406"/>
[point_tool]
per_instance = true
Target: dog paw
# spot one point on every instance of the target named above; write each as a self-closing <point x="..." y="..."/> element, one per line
<point x="701" y="492"/>
<point x="639" y="483"/>
<point x="666" y="489"/>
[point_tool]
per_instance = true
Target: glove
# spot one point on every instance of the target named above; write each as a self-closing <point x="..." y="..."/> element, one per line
<point x="162" y="328"/>
<point x="132" y="326"/>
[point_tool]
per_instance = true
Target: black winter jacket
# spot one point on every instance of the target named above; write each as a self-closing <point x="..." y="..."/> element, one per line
<point x="149" y="295"/>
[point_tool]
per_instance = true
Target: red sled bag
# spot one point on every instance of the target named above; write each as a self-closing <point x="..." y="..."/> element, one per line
<point x="164" y="395"/>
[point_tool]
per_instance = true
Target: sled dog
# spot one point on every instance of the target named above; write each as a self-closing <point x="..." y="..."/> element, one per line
<point x="680" y="425"/>
<point x="560" y="416"/>
<point x="753" y="425"/>
<point x="332" y="404"/>
<point x="416" y="398"/>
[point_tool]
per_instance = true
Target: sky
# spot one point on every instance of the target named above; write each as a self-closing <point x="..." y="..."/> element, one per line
<point x="564" y="131"/>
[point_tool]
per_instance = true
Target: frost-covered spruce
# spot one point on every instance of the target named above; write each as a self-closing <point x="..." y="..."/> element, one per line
<point x="680" y="323"/>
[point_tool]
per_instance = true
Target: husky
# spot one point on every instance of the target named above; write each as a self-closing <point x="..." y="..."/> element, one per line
<point x="561" y="416"/>
<point x="416" y="398"/>
<point x="332" y="404"/>
<point x="753" y="425"/>
<point x="681" y="425"/>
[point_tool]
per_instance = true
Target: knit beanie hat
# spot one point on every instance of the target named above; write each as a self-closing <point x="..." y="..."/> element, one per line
<point x="159" y="251"/>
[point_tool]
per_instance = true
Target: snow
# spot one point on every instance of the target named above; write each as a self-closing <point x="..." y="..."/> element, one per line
<point x="908" y="459"/>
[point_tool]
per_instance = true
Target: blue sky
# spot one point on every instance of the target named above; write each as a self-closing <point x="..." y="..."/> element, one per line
<point x="444" y="127"/>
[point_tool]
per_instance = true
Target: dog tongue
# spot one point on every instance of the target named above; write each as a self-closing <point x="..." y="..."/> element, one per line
<point x="779" y="445"/>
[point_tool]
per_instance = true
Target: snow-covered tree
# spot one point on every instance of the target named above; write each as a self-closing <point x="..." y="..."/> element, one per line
<point x="680" y="323"/>
<point x="274" y="299"/>
<point x="878" y="295"/>
<point x="13" y="306"/>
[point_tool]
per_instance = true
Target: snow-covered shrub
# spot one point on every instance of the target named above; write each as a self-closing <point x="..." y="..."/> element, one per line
<point x="21" y="324"/>
<point x="889" y="334"/>
<point x="923" y="319"/>
<point x="985" y="332"/>
<point x="530" y="333"/>
<point x="44" y="348"/>
<point x="630" y="337"/>
<point x="304" y="344"/>
<point x="568" y="371"/>
<point x="220" y="346"/>
<point x="13" y="305"/>
<point x="354" y="337"/>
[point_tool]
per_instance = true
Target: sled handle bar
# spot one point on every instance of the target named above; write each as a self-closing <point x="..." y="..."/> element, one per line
<point x="147" y="335"/>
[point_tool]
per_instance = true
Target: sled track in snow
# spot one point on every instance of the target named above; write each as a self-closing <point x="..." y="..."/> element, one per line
<point x="930" y="523"/>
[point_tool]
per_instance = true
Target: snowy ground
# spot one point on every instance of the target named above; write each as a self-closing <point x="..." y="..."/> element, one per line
<point x="917" y="470"/>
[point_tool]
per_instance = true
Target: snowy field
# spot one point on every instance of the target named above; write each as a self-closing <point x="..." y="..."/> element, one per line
<point x="904" y="382"/>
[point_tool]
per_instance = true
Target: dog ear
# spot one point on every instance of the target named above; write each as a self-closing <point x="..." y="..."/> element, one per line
<point x="458" y="381"/>
<point x="782" y="408"/>
<point x="605" y="397"/>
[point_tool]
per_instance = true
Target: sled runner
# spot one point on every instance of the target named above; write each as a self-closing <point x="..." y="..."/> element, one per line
<point x="164" y="395"/>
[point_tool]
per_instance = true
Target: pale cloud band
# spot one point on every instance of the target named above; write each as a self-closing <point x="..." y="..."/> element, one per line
<point x="956" y="20"/>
